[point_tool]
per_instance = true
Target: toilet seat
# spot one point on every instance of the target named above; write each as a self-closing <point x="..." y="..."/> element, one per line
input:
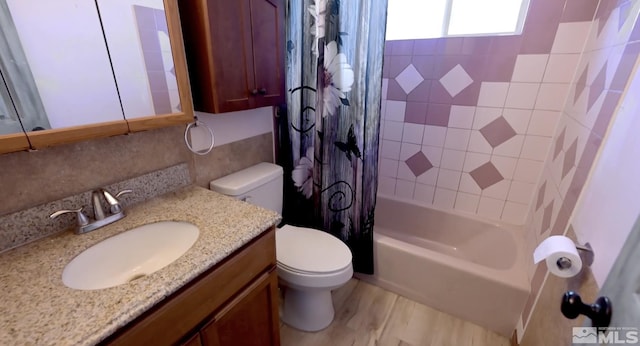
<point x="310" y="258"/>
<point x="310" y="251"/>
<point x="314" y="281"/>
<point x="304" y="272"/>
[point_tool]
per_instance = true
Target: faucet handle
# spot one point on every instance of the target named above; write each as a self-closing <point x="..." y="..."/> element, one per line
<point x="123" y="192"/>
<point x="114" y="204"/>
<point x="82" y="219"/>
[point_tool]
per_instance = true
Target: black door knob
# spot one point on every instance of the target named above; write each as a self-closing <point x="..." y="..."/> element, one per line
<point x="262" y="91"/>
<point x="599" y="312"/>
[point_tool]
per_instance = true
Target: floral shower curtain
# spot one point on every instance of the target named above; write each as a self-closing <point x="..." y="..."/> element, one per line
<point x="329" y="133"/>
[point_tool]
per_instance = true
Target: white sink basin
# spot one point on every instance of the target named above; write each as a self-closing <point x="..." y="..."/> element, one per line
<point x="129" y="255"/>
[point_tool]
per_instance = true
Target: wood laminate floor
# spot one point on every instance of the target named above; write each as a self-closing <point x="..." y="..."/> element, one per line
<point x="368" y="315"/>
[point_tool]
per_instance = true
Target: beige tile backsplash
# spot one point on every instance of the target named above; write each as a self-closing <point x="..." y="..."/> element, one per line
<point x="30" y="179"/>
<point x="31" y="224"/>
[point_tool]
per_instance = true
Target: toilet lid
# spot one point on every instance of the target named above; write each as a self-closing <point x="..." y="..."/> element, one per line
<point x="310" y="250"/>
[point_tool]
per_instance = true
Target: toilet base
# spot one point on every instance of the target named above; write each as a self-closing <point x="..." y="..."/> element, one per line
<point x="309" y="311"/>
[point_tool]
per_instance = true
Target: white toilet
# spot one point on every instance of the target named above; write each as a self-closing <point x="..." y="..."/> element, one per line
<point x="311" y="263"/>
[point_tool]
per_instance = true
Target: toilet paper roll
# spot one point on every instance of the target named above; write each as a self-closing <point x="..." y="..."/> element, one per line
<point x="556" y="249"/>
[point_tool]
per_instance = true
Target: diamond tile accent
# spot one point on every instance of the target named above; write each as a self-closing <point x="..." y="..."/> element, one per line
<point x="623" y="14"/>
<point x="597" y="86"/>
<point x="418" y="163"/>
<point x="456" y="80"/>
<point x="498" y="132"/>
<point x="486" y="175"/>
<point x="543" y="188"/>
<point x="569" y="158"/>
<point x="581" y="84"/>
<point x="409" y="79"/>
<point x="559" y="144"/>
<point x="546" y="218"/>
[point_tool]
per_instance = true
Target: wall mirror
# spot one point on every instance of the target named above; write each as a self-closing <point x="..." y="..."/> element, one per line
<point x="137" y="35"/>
<point x="80" y="69"/>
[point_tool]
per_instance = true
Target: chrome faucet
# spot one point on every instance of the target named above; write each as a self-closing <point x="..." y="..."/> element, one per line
<point x="96" y="203"/>
<point x="114" y="204"/>
<point x="86" y="224"/>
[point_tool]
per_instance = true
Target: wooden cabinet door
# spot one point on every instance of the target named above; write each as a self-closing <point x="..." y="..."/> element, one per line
<point x="231" y="55"/>
<point x="250" y="319"/>
<point x="235" y="53"/>
<point x="267" y="34"/>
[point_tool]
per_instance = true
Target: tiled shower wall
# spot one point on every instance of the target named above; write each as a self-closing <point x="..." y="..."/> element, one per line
<point x="604" y="70"/>
<point x="468" y="122"/>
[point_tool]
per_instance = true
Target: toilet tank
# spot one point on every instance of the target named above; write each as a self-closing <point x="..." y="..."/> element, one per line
<point x="260" y="185"/>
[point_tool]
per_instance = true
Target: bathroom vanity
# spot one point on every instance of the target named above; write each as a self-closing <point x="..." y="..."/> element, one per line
<point x="233" y="303"/>
<point x="222" y="291"/>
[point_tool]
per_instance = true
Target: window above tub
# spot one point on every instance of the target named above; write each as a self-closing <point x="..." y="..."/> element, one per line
<point x="417" y="19"/>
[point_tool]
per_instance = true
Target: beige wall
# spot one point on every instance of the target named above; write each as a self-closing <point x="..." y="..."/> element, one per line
<point x="28" y="179"/>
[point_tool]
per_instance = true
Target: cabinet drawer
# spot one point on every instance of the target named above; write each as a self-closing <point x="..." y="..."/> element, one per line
<point x="183" y="311"/>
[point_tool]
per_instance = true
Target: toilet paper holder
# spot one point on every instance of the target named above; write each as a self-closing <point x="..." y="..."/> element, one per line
<point x="586" y="252"/>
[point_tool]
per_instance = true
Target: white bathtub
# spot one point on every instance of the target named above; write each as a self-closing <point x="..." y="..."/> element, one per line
<point x="465" y="267"/>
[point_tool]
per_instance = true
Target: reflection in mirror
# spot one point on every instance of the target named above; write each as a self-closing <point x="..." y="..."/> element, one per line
<point x="66" y="52"/>
<point x="16" y="98"/>
<point x="138" y="40"/>
<point x="9" y="121"/>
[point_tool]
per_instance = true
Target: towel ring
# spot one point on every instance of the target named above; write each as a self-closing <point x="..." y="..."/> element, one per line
<point x="197" y="123"/>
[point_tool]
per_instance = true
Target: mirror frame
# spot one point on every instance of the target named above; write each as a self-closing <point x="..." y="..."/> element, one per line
<point x="52" y="137"/>
<point x="14" y="142"/>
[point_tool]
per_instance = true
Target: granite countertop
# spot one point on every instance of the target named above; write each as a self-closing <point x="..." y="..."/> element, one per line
<point x="36" y="308"/>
